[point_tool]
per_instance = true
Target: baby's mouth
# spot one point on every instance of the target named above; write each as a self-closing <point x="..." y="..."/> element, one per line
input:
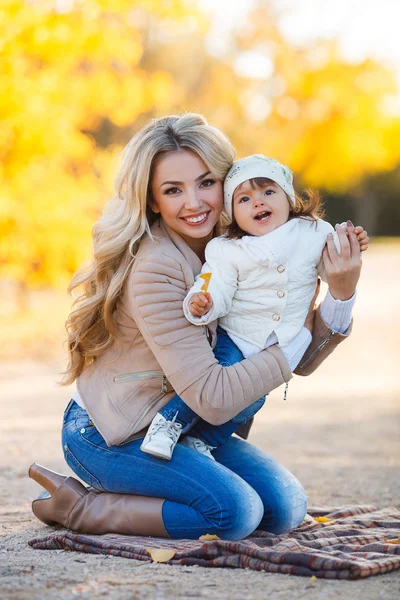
<point x="263" y="216"/>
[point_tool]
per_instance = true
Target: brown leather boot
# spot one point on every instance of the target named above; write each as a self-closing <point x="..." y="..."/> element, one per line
<point x="68" y="503"/>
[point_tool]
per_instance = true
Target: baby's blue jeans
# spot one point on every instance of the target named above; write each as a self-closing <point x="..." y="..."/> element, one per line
<point x="227" y="353"/>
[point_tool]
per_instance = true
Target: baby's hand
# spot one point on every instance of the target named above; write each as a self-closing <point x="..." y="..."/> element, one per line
<point x="362" y="237"/>
<point x="200" y="304"/>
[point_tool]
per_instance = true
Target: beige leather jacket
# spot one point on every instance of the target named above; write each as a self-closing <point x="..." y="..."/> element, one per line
<point x="159" y="352"/>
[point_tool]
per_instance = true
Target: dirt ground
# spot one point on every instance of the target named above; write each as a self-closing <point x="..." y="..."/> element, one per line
<point x="339" y="432"/>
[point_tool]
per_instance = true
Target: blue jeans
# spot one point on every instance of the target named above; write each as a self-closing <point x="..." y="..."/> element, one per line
<point x="244" y="488"/>
<point x="227" y="354"/>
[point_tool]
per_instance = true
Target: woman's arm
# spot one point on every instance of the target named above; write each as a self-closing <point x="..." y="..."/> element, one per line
<point x="342" y="272"/>
<point x="215" y="393"/>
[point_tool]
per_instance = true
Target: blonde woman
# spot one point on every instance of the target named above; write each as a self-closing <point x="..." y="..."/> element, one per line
<point x="131" y="350"/>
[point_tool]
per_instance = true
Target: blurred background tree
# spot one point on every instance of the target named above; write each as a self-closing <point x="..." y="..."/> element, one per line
<point x="79" y="78"/>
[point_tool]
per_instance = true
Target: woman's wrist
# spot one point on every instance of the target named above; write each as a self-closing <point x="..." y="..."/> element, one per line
<point x="337" y="314"/>
<point x="342" y="294"/>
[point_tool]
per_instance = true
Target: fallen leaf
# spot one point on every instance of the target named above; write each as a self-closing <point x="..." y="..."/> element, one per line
<point x="206" y="277"/>
<point x="313" y="578"/>
<point x="322" y="519"/>
<point x="160" y="555"/>
<point x="209" y="536"/>
<point x="395" y="541"/>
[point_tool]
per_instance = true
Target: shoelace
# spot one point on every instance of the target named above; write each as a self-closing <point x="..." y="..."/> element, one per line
<point x="202" y="445"/>
<point x="171" y="428"/>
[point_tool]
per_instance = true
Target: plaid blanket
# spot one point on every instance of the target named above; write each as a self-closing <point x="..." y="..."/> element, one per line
<point x="350" y="542"/>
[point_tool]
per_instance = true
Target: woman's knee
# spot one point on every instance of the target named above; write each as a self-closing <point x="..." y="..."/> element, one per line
<point x="288" y="508"/>
<point x="240" y="513"/>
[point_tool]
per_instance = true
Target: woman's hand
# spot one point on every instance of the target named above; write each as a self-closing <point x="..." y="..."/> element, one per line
<point x="342" y="271"/>
<point x="309" y="322"/>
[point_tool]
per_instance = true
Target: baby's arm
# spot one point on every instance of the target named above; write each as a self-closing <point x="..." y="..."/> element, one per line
<point x="202" y="308"/>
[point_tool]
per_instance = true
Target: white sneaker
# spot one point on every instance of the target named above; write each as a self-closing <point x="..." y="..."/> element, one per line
<point x="161" y="437"/>
<point x="198" y="445"/>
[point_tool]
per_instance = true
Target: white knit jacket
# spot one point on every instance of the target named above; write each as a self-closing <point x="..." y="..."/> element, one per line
<point x="265" y="284"/>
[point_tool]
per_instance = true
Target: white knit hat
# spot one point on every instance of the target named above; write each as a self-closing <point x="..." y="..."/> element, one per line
<point x="254" y="166"/>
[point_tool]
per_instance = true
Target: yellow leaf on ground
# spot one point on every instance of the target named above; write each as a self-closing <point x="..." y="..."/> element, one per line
<point x="313" y="578"/>
<point x="395" y="541"/>
<point x="206" y="277"/>
<point x="322" y="519"/>
<point x="209" y="536"/>
<point x="160" y="555"/>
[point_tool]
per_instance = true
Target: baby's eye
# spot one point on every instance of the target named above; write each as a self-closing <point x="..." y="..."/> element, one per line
<point x="207" y="182"/>
<point x="244" y="199"/>
<point x="171" y="191"/>
<point x="269" y="192"/>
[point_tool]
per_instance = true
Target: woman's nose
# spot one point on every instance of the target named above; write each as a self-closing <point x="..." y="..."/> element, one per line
<point x="192" y="200"/>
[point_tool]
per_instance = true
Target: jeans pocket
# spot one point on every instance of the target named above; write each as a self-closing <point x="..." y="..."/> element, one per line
<point x="80" y="470"/>
<point x="90" y="435"/>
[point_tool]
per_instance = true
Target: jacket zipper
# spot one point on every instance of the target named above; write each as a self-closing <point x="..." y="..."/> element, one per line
<point x="322" y="345"/>
<point x="143" y="375"/>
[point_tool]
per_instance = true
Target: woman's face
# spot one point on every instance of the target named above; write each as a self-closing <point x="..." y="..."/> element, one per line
<point x="186" y="195"/>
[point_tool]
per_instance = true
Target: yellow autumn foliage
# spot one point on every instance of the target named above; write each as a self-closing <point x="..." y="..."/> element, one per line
<point x="67" y="69"/>
<point x="79" y="77"/>
<point x="161" y="555"/>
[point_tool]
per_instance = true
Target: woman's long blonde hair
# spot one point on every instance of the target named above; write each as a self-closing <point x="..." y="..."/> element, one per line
<point x="126" y="219"/>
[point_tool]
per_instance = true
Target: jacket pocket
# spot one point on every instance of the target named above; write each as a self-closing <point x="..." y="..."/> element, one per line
<point x="150" y="388"/>
<point x="145" y="375"/>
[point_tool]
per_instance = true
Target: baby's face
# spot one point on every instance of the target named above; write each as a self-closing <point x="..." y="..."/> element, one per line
<point x="260" y="210"/>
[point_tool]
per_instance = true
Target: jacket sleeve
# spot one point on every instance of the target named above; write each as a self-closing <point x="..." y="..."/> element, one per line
<point x="156" y="293"/>
<point x="323" y="343"/>
<point x="222" y="287"/>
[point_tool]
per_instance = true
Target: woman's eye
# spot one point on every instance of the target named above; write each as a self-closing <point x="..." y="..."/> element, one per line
<point x="171" y="191"/>
<point x="207" y="182"/>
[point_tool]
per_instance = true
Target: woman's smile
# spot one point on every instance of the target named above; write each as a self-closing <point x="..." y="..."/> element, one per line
<point x="197" y="220"/>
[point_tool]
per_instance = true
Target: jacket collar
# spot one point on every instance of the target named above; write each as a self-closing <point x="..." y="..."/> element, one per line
<point x="192" y="258"/>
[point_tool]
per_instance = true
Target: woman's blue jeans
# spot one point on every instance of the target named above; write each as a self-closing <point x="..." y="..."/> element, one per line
<point x="227" y="354"/>
<point x="243" y="489"/>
